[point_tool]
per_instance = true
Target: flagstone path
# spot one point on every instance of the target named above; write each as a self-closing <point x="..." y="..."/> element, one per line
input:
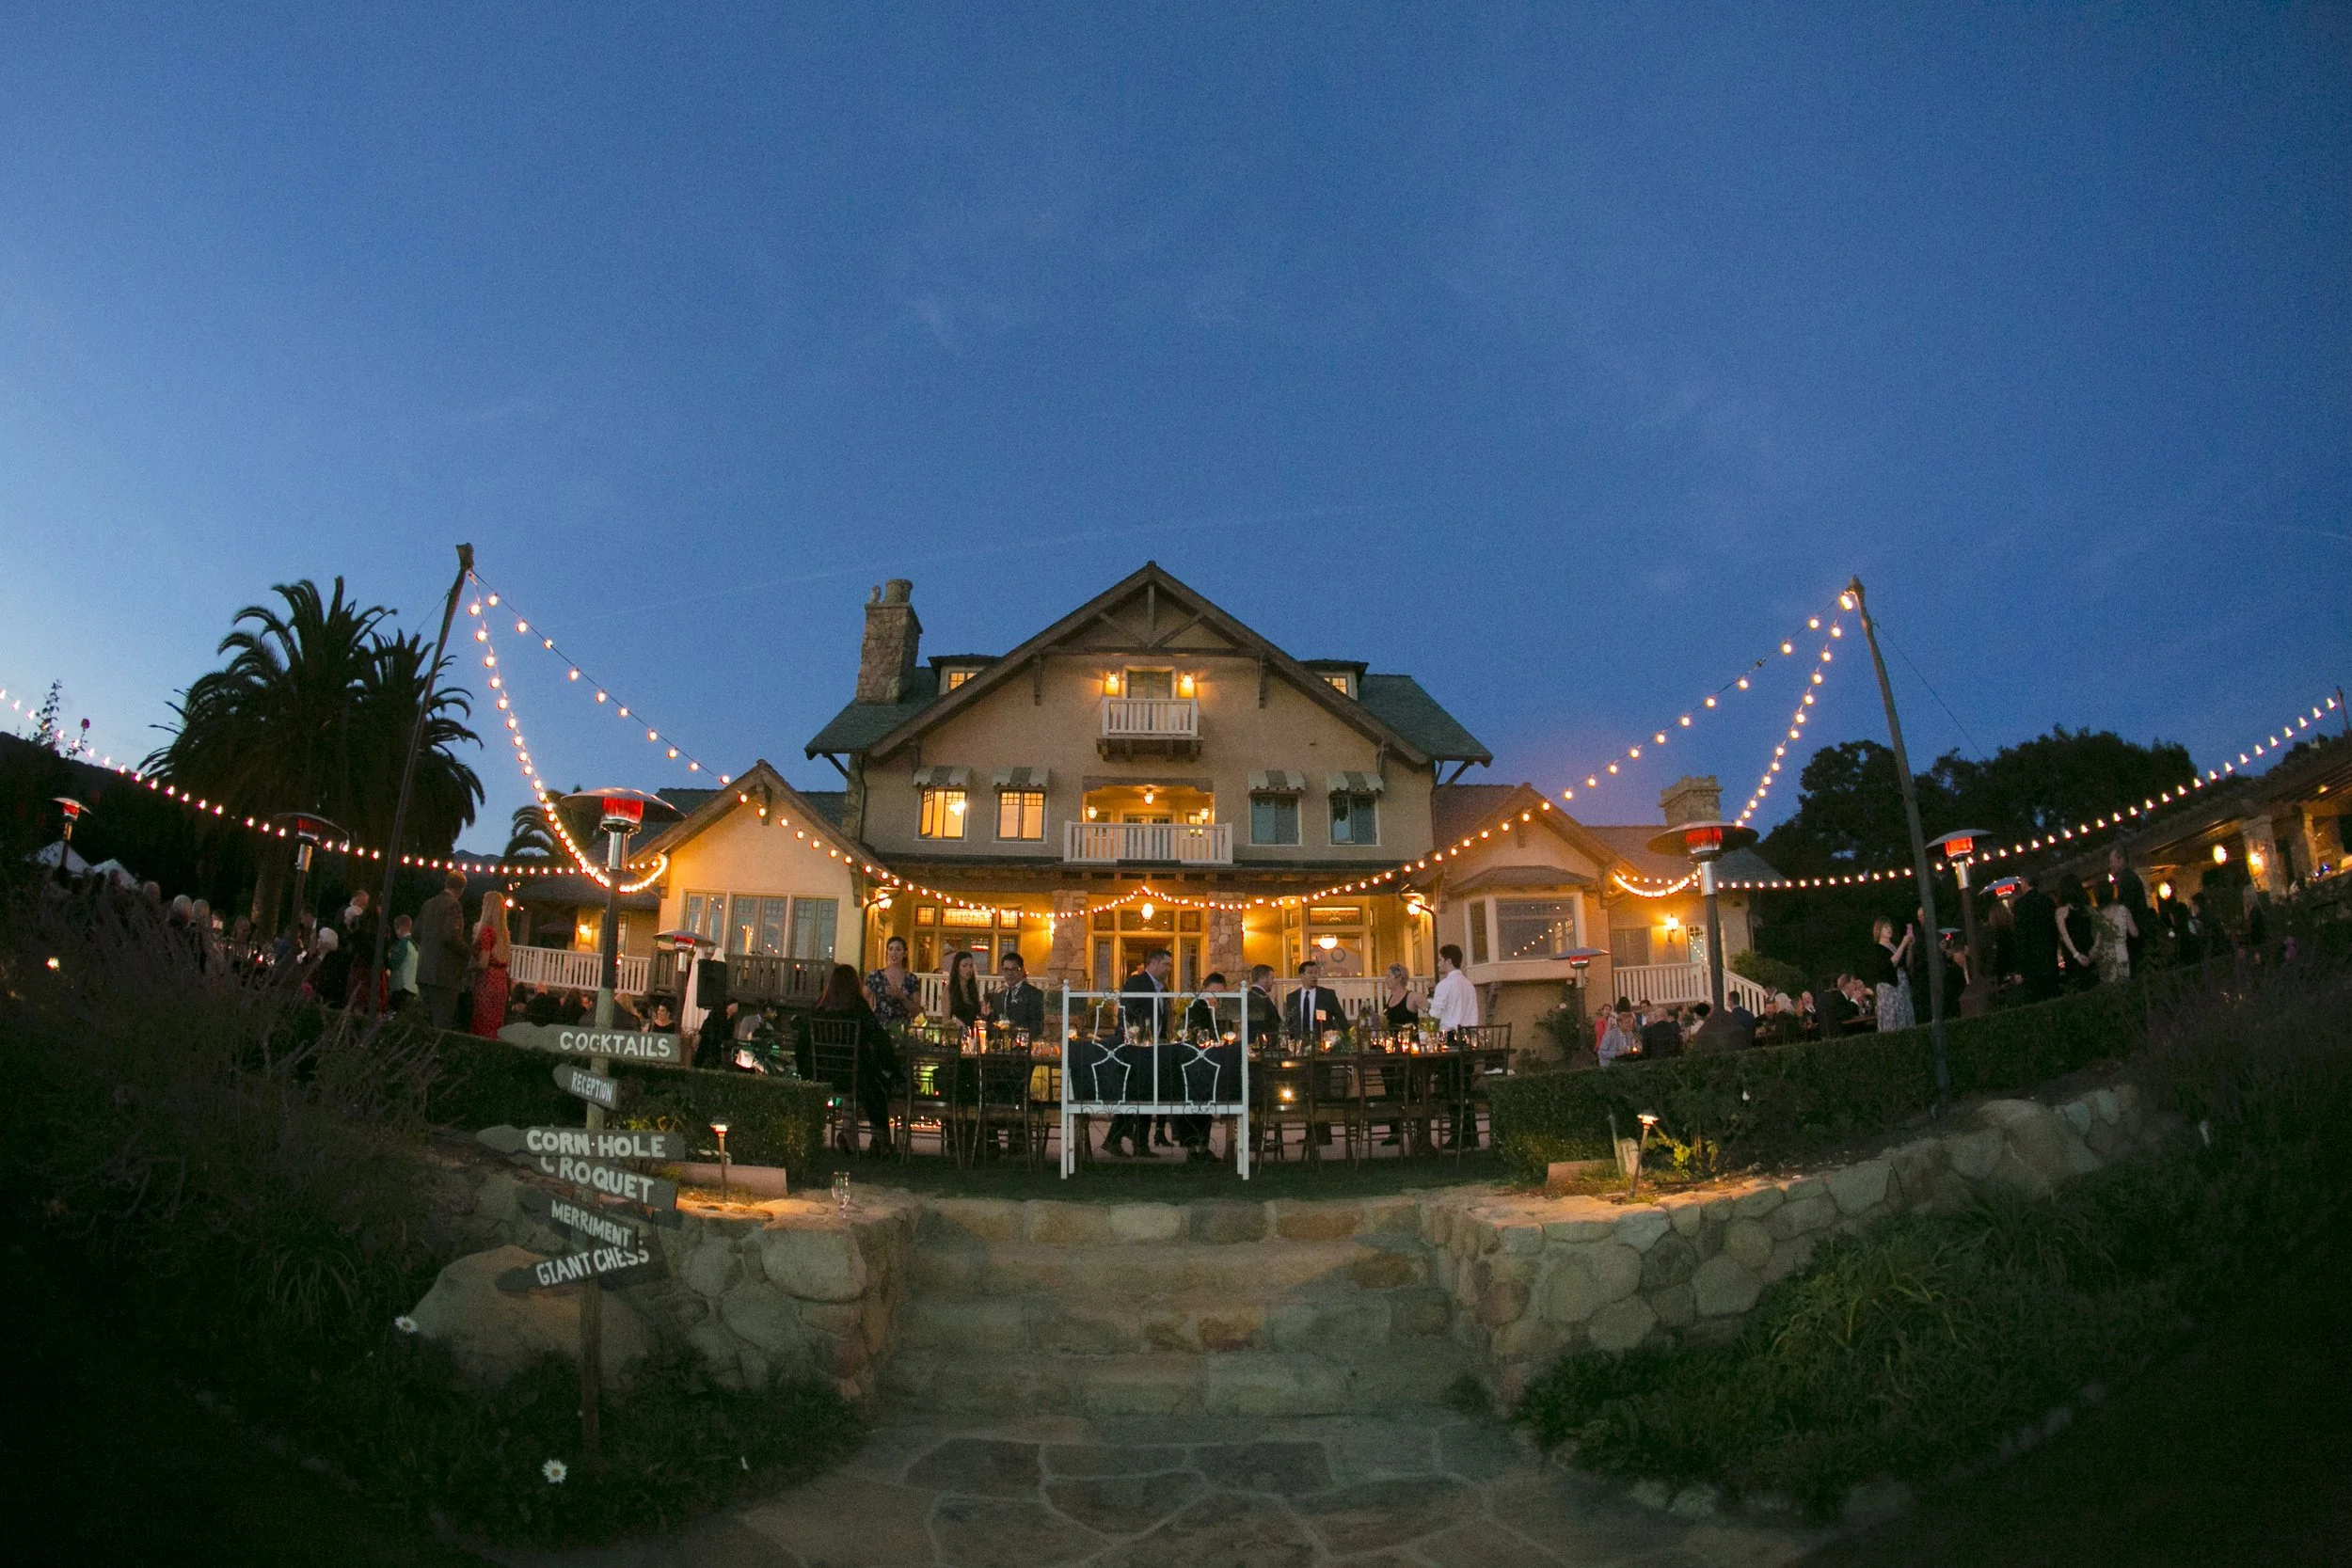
<point x="1430" y="1490"/>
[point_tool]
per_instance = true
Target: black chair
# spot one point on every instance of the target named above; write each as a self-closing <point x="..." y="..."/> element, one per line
<point x="836" y="1054"/>
<point x="1484" y="1055"/>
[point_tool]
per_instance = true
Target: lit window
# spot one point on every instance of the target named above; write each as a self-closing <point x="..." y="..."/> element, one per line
<point x="1534" y="927"/>
<point x="1354" y="818"/>
<point x="707" y="915"/>
<point x="957" y="677"/>
<point x="1339" y="682"/>
<point x="943" y="814"/>
<point x="1020" y="813"/>
<point x="1274" y="819"/>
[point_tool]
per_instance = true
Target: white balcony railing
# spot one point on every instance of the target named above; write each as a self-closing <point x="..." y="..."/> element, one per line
<point x="1151" y="718"/>
<point x="1177" y="842"/>
<point x="566" y="969"/>
<point x="1679" y="983"/>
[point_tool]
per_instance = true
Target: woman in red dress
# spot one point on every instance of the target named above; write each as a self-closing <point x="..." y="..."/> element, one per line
<point x="492" y="949"/>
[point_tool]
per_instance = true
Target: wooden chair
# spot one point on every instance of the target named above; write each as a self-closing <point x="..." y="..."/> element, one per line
<point x="1486" y="1054"/>
<point x="836" y="1056"/>
<point x="1281" y="1091"/>
<point x="1002" y="1101"/>
<point x="932" y="1082"/>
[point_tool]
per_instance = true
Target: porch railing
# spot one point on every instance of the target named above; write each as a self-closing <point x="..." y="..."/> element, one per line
<point x="1177" y="842"/>
<point x="1151" y="718"/>
<point x="1680" y="983"/>
<point x="569" y="969"/>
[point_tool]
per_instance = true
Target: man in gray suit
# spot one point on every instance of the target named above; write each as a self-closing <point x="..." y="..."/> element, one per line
<point x="441" y="951"/>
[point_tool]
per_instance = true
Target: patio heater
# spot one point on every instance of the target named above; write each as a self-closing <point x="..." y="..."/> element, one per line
<point x="1580" y="958"/>
<point x="1706" y="843"/>
<point x="72" y="810"/>
<point x="619" y="814"/>
<point x="1960" y="847"/>
<point x="309" y="830"/>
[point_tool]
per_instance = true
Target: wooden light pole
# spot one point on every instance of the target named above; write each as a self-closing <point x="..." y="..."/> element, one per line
<point x="408" y="773"/>
<point x="1924" y="872"/>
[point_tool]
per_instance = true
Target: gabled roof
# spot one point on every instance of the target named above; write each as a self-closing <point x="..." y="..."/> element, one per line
<point x="761" y="778"/>
<point x="1458" y="810"/>
<point x="1403" y="717"/>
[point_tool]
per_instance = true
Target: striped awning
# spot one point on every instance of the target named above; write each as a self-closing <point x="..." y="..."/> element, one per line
<point x="943" y="777"/>
<point x="1274" y="781"/>
<point x="1357" y="784"/>
<point x="1024" y="778"/>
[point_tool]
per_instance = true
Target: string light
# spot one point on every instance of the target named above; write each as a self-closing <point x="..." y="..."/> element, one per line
<point x="1797" y="721"/>
<point x="1660" y="735"/>
<point x="2115" y="817"/>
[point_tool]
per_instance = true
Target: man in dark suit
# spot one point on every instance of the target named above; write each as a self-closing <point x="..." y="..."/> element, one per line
<point x="1314" y="1008"/>
<point x="441" y="952"/>
<point x="1265" y="1018"/>
<point x="1019" y="1004"/>
<point x="1661" y="1036"/>
<point x="2034" y="940"/>
<point x="1143" y="1007"/>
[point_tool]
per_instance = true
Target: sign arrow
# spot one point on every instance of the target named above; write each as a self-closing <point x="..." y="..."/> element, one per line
<point x="579" y="1040"/>
<point x="603" y="1263"/>
<point x="588" y="1220"/>
<point x="582" y="1084"/>
<point x="595" y="1143"/>
<point x="619" y="1181"/>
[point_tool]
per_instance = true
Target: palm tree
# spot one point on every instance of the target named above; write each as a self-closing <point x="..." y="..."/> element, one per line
<point x="530" y="838"/>
<point x="312" y="713"/>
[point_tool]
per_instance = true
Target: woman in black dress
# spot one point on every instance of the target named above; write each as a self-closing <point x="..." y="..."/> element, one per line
<point x="844" y="1000"/>
<point x="964" y="989"/>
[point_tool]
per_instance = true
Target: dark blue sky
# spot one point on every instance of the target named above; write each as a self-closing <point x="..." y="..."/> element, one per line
<point x="1564" y="357"/>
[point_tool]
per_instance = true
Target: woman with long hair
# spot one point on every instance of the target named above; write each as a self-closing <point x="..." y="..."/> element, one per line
<point x="844" y="999"/>
<point x="493" y="949"/>
<point x="1888" y="977"/>
<point x="964" y="988"/>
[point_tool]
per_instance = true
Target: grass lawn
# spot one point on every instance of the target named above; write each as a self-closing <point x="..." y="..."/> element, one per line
<point x="108" y="1457"/>
<point x="2238" y="1451"/>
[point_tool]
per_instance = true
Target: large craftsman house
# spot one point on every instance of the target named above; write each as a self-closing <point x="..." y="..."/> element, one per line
<point x="1149" y="771"/>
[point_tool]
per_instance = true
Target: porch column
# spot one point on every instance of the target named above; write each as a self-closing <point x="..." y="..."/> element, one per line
<point x="1067" y="964"/>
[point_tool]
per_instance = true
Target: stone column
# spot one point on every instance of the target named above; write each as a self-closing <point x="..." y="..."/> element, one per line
<point x="2260" y="842"/>
<point x="1225" y="947"/>
<point x="1067" y="964"/>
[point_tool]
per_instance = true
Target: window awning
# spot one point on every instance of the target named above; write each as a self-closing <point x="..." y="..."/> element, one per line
<point x="1024" y="778"/>
<point x="943" y="777"/>
<point x="1357" y="784"/>
<point x="1274" y="781"/>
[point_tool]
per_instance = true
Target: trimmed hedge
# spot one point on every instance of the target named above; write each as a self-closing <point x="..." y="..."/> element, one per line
<point x="1783" y="1101"/>
<point x="771" y="1121"/>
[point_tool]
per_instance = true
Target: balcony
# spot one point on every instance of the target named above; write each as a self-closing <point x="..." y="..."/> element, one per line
<point x="1149" y="726"/>
<point x="1160" y="842"/>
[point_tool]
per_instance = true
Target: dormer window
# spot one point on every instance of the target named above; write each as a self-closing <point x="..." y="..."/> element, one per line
<point x="1342" y="684"/>
<point x="957" y="677"/>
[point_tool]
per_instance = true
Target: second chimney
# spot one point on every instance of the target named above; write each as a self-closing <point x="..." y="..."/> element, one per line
<point x="886" y="660"/>
<point x="1687" y="798"/>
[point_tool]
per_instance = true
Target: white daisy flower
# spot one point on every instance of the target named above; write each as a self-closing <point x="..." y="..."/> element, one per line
<point x="405" y="1323"/>
<point x="555" y="1472"/>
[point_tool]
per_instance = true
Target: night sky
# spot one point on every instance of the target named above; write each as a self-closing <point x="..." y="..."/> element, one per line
<point x="1567" y="357"/>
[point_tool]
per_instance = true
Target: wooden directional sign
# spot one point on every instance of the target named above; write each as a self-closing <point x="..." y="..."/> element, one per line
<point x="611" y="1093"/>
<point x="612" y="1181"/>
<point x="541" y="1204"/>
<point x="597" y="1143"/>
<point x="592" y="1221"/>
<point x="580" y="1039"/>
<point x="601" y="1264"/>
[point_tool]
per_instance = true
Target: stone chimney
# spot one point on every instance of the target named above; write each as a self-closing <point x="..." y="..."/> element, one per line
<point x="886" y="660"/>
<point x="1687" y="799"/>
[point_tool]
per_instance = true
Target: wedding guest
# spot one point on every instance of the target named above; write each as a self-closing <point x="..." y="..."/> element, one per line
<point x="892" y="991"/>
<point x="492" y="950"/>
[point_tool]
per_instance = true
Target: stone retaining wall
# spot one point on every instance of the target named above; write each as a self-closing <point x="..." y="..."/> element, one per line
<point x="765" y="1292"/>
<point x="1537" y="1278"/>
<point x="1270" y="1308"/>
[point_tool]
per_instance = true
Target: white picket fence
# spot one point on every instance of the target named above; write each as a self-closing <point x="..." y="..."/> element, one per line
<point x="1679" y="983"/>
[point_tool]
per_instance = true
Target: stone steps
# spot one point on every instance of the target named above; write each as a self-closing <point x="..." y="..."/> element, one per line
<point x="1263" y="1271"/>
<point x="1249" y="1383"/>
<point x="1338" y="1325"/>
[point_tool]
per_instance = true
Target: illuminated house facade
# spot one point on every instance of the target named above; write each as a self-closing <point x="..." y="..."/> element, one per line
<point x="1149" y="771"/>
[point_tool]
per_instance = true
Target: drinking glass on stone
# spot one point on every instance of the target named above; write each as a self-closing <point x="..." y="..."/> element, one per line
<point x="841" y="1193"/>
